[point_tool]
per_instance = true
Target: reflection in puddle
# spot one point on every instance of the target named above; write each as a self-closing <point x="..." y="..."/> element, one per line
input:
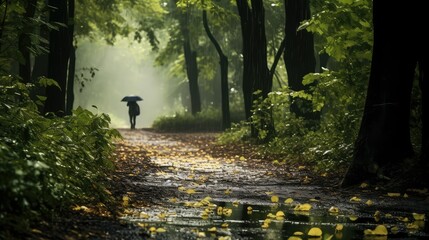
<point x="207" y="219"/>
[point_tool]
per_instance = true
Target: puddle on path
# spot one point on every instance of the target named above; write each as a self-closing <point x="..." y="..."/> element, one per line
<point x="218" y="198"/>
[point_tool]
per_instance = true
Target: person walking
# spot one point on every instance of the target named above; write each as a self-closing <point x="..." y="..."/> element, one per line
<point x="133" y="112"/>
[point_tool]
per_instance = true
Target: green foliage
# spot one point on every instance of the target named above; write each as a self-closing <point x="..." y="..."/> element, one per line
<point x="48" y="163"/>
<point x="206" y="120"/>
<point x="343" y="31"/>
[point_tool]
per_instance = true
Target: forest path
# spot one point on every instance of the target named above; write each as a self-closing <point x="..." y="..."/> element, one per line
<point x="184" y="186"/>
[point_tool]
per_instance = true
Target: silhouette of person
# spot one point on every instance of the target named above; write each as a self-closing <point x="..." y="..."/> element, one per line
<point x="133" y="111"/>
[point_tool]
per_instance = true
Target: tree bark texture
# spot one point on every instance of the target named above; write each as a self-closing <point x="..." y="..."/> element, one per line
<point x="255" y="70"/>
<point x="59" y="51"/>
<point x="191" y="64"/>
<point x="223" y="61"/>
<point x="24" y="42"/>
<point x="299" y="54"/>
<point x="384" y="138"/>
<point x="72" y="59"/>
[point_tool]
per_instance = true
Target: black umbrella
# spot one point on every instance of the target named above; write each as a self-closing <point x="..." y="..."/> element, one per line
<point x="131" y="99"/>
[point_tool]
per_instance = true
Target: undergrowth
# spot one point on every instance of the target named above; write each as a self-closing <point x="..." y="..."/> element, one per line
<point x="210" y="119"/>
<point x="48" y="163"/>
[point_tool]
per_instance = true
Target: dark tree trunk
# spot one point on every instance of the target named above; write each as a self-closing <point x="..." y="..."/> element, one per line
<point x="299" y="55"/>
<point x="72" y="59"/>
<point x="3" y="20"/>
<point x="59" y="51"/>
<point x="246" y="27"/>
<point x="226" y="119"/>
<point x="256" y="76"/>
<point x="191" y="63"/>
<point x="192" y="72"/>
<point x="323" y="61"/>
<point x="24" y="43"/>
<point x="384" y="137"/>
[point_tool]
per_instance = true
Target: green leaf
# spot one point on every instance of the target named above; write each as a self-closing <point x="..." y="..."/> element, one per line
<point x="45" y="82"/>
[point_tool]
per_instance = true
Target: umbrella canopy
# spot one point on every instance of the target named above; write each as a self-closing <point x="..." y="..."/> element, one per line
<point x="131" y="98"/>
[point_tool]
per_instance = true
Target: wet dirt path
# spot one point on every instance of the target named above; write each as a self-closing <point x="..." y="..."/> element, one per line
<point x="182" y="186"/>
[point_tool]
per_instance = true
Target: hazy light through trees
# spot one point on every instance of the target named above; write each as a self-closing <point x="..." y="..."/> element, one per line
<point x="123" y="69"/>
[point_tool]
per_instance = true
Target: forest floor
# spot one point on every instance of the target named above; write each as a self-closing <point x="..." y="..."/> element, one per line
<point x="185" y="186"/>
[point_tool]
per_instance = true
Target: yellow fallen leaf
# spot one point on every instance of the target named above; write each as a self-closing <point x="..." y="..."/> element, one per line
<point x="224" y="225"/>
<point x="393" y="194"/>
<point x="339" y="227"/>
<point x="380" y="230"/>
<point x="219" y="211"/>
<point x="355" y="199"/>
<point x="419" y="217"/>
<point x="125" y="200"/>
<point x="274" y="199"/>
<point x="162" y="215"/>
<point x="213" y="229"/>
<point x="144" y="215"/>
<point x="288" y="201"/>
<point x="394" y="229"/>
<point x="249" y="208"/>
<point x="152" y="229"/>
<point x="224" y="238"/>
<point x="161" y="230"/>
<point x="235" y="203"/>
<point x="334" y="210"/>
<point x="313" y="200"/>
<point x="227" y="212"/>
<point x="181" y="188"/>
<point x="412" y="226"/>
<point x="301" y="167"/>
<point x="269" y="193"/>
<point x="280" y="214"/>
<point x="270" y="215"/>
<point x="228" y="191"/>
<point x="265" y="225"/>
<point x="173" y="200"/>
<point x="201" y="234"/>
<point x="302" y="207"/>
<point x="377" y="216"/>
<point x="294" y="238"/>
<point x="315" y="232"/>
<point x="190" y="191"/>
<point x="369" y="203"/>
<point x="143" y="225"/>
<point x="242" y="158"/>
<point x="353" y="218"/>
<point x="298" y="234"/>
<point x="364" y="185"/>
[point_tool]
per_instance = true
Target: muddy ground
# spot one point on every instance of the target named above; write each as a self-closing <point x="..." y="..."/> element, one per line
<point x="185" y="186"/>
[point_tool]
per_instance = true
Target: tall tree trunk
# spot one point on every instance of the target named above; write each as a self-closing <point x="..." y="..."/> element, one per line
<point x="384" y="137"/>
<point x="299" y="55"/>
<point x="24" y="43"/>
<point x="72" y="59"/>
<point x="256" y="77"/>
<point x="59" y="51"/>
<point x="226" y="119"/>
<point x="3" y="21"/>
<point x="191" y="63"/>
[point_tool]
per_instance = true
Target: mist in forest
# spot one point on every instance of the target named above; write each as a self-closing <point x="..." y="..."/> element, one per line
<point x="123" y="69"/>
